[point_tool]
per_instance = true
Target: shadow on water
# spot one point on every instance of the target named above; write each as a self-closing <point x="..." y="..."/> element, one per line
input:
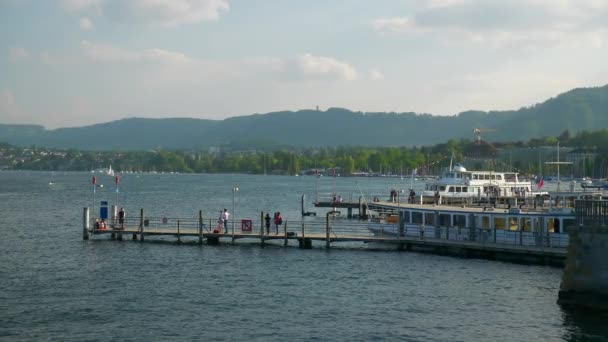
<point x="584" y="325"/>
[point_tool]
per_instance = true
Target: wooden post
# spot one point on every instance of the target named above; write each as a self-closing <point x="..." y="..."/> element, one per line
<point x="302" y="204"/>
<point x="327" y="228"/>
<point x="302" y="240"/>
<point x="113" y="222"/>
<point x="262" y="228"/>
<point x="285" y="232"/>
<point x="179" y="239"/>
<point x="85" y="224"/>
<point x="200" y="227"/>
<point x="141" y="224"/>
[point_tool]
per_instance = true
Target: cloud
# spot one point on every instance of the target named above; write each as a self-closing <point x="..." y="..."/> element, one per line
<point x="376" y="75"/>
<point x="504" y="24"/>
<point x="86" y="24"/>
<point x="394" y="25"/>
<point x="17" y="54"/>
<point x="299" y="68"/>
<point x="158" y="12"/>
<point x="309" y="66"/>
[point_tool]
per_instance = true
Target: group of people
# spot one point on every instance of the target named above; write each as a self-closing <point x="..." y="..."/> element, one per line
<point x="278" y="220"/>
<point x="223" y="222"/>
<point x="393" y="196"/>
<point x="337" y="199"/>
<point x="101" y="224"/>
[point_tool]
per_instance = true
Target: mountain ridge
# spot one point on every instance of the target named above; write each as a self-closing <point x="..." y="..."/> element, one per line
<point x="575" y="110"/>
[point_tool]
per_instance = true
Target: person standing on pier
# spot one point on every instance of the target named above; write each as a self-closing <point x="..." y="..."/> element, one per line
<point x="278" y="220"/>
<point x="225" y="216"/>
<point x="267" y="222"/>
<point x="121" y="218"/>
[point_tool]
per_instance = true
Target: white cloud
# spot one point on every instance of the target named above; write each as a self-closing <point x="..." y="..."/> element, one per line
<point x="394" y="25"/>
<point x="376" y="75"/>
<point x="303" y="67"/>
<point x="17" y="54"/>
<point x="531" y="24"/>
<point x="161" y="12"/>
<point x="86" y="24"/>
<point x="108" y="53"/>
<point x="310" y="66"/>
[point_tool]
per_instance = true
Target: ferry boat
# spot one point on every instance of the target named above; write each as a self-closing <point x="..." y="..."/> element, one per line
<point x="527" y="225"/>
<point x="459" y="184"/>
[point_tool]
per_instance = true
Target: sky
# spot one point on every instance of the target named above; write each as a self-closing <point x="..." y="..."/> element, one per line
<point x="66" y="63"/>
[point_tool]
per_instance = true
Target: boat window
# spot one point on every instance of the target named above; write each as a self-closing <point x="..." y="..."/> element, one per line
<point x="500" y="222"/>
<point x="485" y="222"/>
<point x="429" y="219"/>
<point x="457" y="189"/>
<point x="486" y="177"/>
<point x="417" y="217"/>
<point x="513" y="223"/>
<point x="444" y="220"/>
<point x="493" y="177"/>
<point x="568" y="222"/>
<point x="553" y="225"/>
<point x="442" y="188"/>
<point x="460" y="221"/>
<point x="526" y="225"/>
<point x="499" y="177"/>
<point x="464" y="189"/>
<point x="450" y="189"/>
<point x="405" y="216"/>
<point x="474" y="176"/>
<point x="537" y="225"/>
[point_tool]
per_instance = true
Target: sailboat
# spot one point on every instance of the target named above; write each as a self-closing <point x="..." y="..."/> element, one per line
<point x="110" y="172"/>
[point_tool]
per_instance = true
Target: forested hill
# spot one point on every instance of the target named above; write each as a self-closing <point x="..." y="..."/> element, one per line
<point x="576" y="110"/>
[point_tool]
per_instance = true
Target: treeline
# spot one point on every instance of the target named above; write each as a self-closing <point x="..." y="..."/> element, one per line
<point x="346" y="160"/>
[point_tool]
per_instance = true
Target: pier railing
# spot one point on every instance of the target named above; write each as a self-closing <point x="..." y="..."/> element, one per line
<point x="335" y="229"/>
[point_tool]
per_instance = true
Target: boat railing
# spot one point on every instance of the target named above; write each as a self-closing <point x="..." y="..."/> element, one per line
<point x="591" y="212"/>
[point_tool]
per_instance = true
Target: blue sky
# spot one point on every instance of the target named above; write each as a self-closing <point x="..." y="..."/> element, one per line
<point x="76" y="62"/>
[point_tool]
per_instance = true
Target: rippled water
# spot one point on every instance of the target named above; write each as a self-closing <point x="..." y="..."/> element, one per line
<point x="55" y="286"/>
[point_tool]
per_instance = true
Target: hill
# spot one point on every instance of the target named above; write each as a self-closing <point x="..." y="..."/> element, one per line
<point x="576" y="110"/>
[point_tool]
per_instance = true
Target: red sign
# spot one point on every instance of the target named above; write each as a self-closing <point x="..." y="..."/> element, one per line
<point x="94" y="180"/>
<point x="117" y="179"/>
<point x="246" y="225"/>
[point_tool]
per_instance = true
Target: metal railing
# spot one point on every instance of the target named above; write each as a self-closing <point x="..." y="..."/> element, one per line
<point x="591" y="212"/>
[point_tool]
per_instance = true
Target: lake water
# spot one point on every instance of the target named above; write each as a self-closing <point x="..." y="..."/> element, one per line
<point x="55" y="286"/>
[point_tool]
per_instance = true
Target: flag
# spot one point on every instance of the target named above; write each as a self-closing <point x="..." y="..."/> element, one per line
<point x="541" y="183"/>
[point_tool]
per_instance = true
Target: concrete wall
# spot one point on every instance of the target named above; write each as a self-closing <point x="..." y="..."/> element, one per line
<point x="585" y="278"/>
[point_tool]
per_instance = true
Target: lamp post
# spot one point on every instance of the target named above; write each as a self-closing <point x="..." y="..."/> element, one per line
<point x="234" y="191"/>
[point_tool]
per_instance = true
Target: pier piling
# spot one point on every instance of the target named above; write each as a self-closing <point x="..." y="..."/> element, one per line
<point x="200" y="227"/>
<point x="85" y="224"/>
<point x="141" y="224"/>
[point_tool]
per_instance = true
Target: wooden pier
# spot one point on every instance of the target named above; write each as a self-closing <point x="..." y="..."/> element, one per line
<point x="331" y="232"/>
